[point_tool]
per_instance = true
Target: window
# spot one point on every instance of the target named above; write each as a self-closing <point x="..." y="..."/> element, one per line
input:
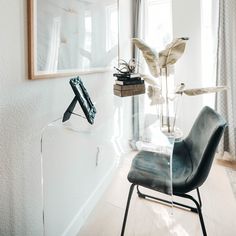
<point x="157" y="32"/>
<point x="158" y="23"/>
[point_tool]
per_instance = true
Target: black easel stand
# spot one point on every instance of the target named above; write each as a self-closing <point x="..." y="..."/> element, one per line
<point x="69" y="110"/>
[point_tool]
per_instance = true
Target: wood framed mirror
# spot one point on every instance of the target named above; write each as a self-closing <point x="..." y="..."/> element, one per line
<point x="71" y="37"/>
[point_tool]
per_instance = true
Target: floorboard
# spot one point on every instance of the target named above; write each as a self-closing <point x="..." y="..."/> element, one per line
<point x="148" y="218"/>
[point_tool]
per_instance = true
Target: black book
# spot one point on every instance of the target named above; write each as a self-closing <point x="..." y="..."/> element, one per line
<point x="127" y="79"/>
<point x="127" y="75"/>
<point x="130" y="81"/>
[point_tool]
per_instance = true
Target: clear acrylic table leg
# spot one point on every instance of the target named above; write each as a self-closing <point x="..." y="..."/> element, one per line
<point x="155" y="141"/>
<point x="75" y="160"/>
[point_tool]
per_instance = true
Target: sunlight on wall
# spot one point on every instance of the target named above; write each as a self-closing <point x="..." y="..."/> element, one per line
<point x="209" y="47"/>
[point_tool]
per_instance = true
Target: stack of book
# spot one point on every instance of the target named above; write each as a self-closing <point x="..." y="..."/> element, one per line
<point x="127" y="84"/>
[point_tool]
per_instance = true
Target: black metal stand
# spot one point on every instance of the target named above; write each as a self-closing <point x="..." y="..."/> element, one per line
<point x="69" y="110"/>
<point x="196" y="209"/>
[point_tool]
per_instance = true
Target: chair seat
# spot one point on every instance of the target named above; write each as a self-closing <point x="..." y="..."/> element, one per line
<point x="152" y="170"/>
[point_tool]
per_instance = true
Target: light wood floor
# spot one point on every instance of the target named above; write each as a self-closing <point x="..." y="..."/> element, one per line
<point x="148" y="218"/>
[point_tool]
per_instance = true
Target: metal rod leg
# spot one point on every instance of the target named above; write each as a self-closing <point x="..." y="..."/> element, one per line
<point x="141" y="195"/>
<point x="127" y="209"/>
<point x="202" y="222"/>
<point x="199" y="197"/>
<point x="199" y="212"/>
<point x="166" y="202"/>
<point x="193" y="209"/>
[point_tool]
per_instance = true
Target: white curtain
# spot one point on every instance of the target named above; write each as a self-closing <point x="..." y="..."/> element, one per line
<point x="226" y="72"/>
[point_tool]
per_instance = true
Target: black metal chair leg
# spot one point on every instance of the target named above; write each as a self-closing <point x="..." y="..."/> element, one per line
<point x="196" y="210"/>
<point x="199" y="212"/>
<point x="202" y="221"/>
<point x="141" y="195"/>
<point x="127" y="208"/>
<point x="166" y="202"/>
<point x="199" y="197"/>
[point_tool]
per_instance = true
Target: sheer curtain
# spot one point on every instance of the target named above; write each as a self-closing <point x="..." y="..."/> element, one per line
<point x="226" y="72"/>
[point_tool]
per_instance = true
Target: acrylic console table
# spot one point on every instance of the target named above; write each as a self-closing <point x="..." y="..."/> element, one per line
<point x="78" y="161"/>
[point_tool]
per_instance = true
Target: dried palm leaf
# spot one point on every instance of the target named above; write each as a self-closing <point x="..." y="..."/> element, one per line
<point x="154" y="93"/>
<point x="149" y="55"/>
<point x="172" y="52"/>
<point x="150" y="80"/>
<point x="199" y="91"/>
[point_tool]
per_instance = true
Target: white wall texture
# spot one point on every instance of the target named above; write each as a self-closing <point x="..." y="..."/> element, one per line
<point x="25" y="108"/>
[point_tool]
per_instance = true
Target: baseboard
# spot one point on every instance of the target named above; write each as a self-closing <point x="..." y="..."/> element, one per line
<point x="78" y="221"/>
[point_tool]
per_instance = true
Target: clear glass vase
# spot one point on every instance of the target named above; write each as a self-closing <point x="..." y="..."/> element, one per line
<point x="168" y="110"/>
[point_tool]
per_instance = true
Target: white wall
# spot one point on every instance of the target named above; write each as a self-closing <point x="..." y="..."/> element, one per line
<point x="25" y="108"/>
<point x="187" y="23"/>
<point x="125" y="29"/>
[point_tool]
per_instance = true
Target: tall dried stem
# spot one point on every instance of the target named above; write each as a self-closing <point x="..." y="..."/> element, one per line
<point x="167" y="101"/>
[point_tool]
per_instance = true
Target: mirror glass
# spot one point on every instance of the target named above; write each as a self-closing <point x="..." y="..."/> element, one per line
<point x="73" y="36"/>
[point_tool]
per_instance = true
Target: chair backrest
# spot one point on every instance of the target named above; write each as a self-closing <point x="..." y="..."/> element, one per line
<point x="202" y="142"/>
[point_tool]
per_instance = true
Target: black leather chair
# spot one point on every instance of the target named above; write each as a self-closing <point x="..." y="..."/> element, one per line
<point x="191" y="163"/>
